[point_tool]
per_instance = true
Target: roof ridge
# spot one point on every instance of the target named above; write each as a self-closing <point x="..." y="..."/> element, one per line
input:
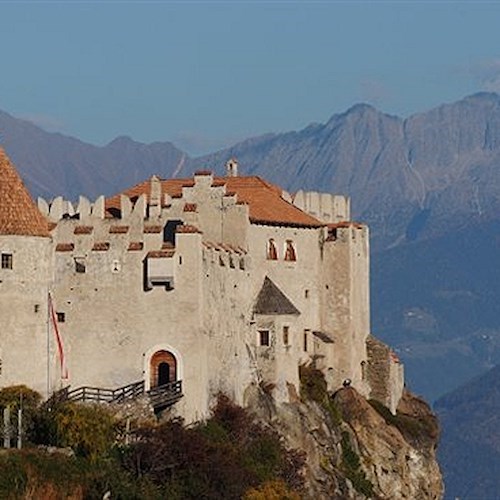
<point x="18" y="213"/>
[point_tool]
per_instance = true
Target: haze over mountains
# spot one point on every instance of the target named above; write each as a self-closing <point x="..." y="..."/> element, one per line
<point x="428" y="186"/>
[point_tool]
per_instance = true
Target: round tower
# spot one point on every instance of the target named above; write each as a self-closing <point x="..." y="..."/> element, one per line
<point x="25" y="276"/>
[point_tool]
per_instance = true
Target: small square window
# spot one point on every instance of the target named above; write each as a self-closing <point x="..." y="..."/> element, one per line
<point x="80" y="266"/>
<point x="7" y="261"/>
<point x="61" y="317"/>
<point x="264" y="337"/>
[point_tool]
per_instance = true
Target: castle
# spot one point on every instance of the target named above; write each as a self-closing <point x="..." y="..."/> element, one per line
<point x="210" y="283"/>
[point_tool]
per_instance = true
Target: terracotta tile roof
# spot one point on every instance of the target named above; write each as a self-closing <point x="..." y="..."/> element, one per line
<point x="153" y="229"/>
<point x="118" y="229"/>
<point x="65" y="247"/>
<point x="266" y="206"/>
<point x="161" y="254"/>
<point x="18" y="213"/>
<point x="135" y="246"/>
<point x="51" y="226"/>
<point x="203" y="172"/>
<point x="190" y="207"/>
<point x="186" y="228"/>
<point x="83" y="230"/>
<point x="101" y="246"/>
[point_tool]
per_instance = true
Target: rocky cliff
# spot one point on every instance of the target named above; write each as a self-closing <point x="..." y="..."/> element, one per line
<point x="357" y="449"/>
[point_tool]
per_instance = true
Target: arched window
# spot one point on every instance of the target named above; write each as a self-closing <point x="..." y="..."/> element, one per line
<point x="272" y="252"/>
<point x="290" y="253"/>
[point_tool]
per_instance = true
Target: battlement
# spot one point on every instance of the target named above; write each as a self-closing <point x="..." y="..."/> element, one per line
<point x="329" y="208"/>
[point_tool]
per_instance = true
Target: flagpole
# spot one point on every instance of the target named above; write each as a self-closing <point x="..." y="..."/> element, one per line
<point x="48" y="343"/>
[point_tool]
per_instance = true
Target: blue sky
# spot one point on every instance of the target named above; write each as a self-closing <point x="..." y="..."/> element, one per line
<point x="205" y="74"/>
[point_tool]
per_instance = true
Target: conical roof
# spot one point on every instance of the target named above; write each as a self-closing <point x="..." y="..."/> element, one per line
<point x="18" y="213"/>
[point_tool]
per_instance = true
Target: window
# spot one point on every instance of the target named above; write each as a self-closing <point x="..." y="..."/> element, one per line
<point x="6" y="261"/>
<point x="305" y="340"/>
<point x="264" y="337"/>
<point x="272" y="252"/>
<point x="286" y="339"/>
<point x="290" y="253"/>
<point x="306" y="294"/>
<point x="61" y="317"/>
<point x="80" y="266"/>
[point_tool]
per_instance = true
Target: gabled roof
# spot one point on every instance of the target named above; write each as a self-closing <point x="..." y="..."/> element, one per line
<point x="271" y="300"/>
<point x="266" y="206"/>
<point x="18" y="213"/>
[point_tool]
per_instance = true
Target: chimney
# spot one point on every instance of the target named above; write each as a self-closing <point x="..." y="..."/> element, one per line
<point x="232" y="168"/>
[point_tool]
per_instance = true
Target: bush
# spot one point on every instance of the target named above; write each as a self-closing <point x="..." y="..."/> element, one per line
<point x="271" y="490"/>
<point x="89" y="430"/>
<point x="20" y="396"/>
<point x="415" y="429"/>
<point x="222" y="458"/>
<point x="351" y="465"/>
<point x="313" y="387"/>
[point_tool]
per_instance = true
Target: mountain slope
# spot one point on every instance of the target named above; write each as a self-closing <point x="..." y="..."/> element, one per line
<point x="53" y="164"/>
<point x="428" y="186"/>
<point x="470" y="444"/>
<point x="407" y="178"/>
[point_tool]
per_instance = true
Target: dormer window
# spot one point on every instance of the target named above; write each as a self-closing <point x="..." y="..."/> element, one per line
<point x="272" y="251"/>
<point x="7" y="261"/>
<point x="290" y="253"/>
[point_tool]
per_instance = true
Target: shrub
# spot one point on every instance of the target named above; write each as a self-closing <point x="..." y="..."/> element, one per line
<point x="271" y="490"/>
<point x="89" y="430"/>
<point x="351" y="465"/>
<point x="415" y="429"/>
<point x="313" y="387"/>
<point x="21" y="396"/>
<point x="222" y="458"/>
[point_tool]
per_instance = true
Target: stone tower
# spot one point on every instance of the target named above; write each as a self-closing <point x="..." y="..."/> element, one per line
<point x="25" y="275"/>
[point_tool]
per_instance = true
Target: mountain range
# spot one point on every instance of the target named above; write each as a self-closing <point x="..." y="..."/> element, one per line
<point x="428" y="186"/>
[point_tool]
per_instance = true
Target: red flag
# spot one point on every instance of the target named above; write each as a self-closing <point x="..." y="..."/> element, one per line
<point x="60" y="346"/>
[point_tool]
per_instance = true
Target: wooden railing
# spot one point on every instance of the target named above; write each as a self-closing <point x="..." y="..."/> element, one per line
<point x="165" y="395"/>
<point x="160" y="397"/>
<point x="129" y="391"/>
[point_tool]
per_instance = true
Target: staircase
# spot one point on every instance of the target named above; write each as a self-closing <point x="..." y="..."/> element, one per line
<point x="160" y="397"/>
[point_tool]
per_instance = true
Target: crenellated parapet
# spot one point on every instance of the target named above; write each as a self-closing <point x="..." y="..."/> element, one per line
<point x="329" y="208"/>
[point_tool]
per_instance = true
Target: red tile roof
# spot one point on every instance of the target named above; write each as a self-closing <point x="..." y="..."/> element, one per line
<point x="83" y="230"/>
<point x="18" y="213"/>
<point x="135" y="245"/>
<point x="65" y="247"/>
<point x="101" y="246"/>
<point x="151" y="229"/>
<point x="161" y="254"/>
<point x="186" y="228"/>
<point x="266" y="206"/>
<point x="190" y="207"/>
<point x="118" y="229"/>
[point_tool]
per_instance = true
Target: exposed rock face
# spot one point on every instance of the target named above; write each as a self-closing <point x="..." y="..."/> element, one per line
<point x="353" y="452"/>
<point x="399" y="459"/>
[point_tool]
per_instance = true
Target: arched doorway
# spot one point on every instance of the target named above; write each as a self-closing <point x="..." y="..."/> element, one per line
<point x="163" y="368"/>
